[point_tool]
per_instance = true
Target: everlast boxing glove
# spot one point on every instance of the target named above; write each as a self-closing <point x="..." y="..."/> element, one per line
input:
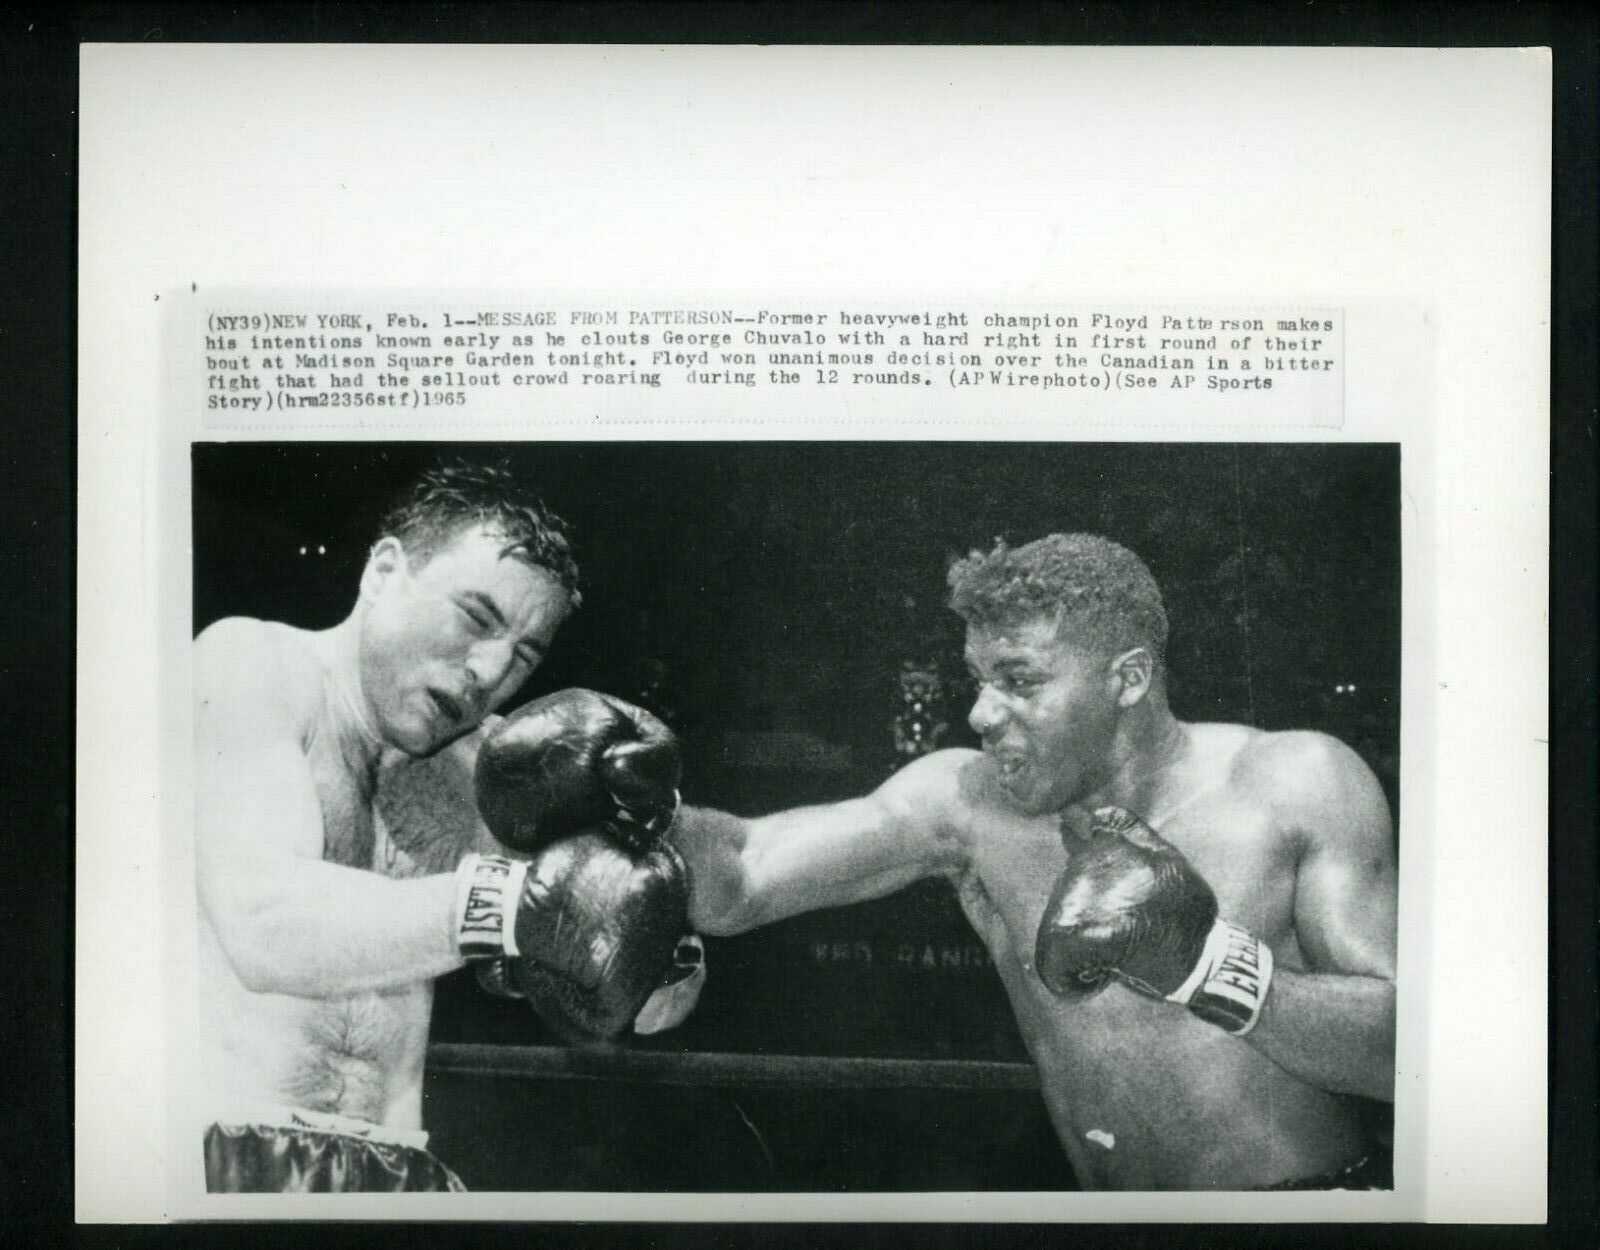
<point x="671" y="1002"/>
<point x="1130" y="906"/>
<point x="585" y="931"/>
<point x="578" y="760"/>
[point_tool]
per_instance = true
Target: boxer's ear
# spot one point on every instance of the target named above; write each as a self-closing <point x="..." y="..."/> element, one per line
<point x="1133" y="671"/>
<point x="386" y="559"/>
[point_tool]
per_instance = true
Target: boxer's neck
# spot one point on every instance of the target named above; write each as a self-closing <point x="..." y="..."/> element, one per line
<point x="1149" y="745"/>
<point x="353" y="720"/>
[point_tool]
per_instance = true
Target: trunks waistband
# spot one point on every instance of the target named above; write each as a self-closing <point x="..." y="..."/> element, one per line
<point x="268" y="1115"/>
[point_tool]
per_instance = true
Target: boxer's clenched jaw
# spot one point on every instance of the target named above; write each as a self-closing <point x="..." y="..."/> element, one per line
<point x="1047" y="713"/>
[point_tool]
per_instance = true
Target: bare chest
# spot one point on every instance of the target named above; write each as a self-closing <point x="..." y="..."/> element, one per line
<point x="404" y="818"/>
<point x="426" y="815"/>
<point x="1123" y="1118"/>
<point x="362" y="1055"/>
<point x="1016" y="861"/>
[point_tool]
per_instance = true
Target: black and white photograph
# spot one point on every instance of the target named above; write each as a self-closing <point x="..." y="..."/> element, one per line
<point x="796" y="817"/>
<point x="838" y="634"/>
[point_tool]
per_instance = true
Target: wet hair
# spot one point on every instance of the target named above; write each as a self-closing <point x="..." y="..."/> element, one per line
<point x="1099" y="593"/>
<point x="453" y="497"/>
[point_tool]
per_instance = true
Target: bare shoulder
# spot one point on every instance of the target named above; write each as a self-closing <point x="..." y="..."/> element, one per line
<point x="235" y="638"/>
<point x="937" y="791"/>
<point x="1320" y="788"/>
<point x="1300" y="763"/>
<point x="262" y="666"/>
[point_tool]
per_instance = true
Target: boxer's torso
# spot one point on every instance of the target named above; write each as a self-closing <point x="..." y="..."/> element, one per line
<point x="1143" y="1094"/>
<point x="360" y="1055"/>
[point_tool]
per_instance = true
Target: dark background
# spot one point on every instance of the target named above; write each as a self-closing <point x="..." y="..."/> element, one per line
<point x="764" y="598"/>
<point x="746" y="589"/>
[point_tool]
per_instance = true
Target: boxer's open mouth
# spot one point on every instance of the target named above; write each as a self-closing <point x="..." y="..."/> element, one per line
<point x="453" y="709"/>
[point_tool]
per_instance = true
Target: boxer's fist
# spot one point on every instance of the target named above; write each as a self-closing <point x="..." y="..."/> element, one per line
<point x="578" y="760"/>
<point x="1129" y="905"/>
<point x="671" y="1002"/>
<point x="585" y="931"/>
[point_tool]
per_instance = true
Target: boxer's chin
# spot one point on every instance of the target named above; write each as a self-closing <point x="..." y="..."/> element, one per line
<point x="420" y="737"/>
<point x="1022" y="793"/>
<point x="1029" y="794"/>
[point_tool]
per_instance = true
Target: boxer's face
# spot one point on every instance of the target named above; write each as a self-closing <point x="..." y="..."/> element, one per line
<point x="1046" y="711"/>
<point x="445" y="641"/>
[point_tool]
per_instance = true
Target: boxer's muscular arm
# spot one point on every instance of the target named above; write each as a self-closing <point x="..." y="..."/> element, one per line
<point x="1333" y="1024"/>
<point x="288" y="922"/>
<point x="749" y="872"/>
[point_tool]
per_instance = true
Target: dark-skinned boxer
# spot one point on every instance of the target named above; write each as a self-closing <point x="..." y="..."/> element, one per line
<point x="1195" y="922"/>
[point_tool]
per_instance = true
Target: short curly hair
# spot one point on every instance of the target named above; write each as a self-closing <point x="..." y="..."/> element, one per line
<point x="1100" y="594"/>
<point x="455" y="496"/>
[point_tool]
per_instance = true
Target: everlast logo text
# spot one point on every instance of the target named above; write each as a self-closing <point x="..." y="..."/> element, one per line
<point x="486" y="901"/>
<point x="1237" y="974"/>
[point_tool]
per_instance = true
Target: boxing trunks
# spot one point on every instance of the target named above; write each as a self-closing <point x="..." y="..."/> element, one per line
<point x="282" y="1151"/>
<point x="1372" y="1171"/>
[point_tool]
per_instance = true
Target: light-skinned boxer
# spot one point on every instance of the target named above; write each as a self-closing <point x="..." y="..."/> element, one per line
<point x="339" y="874"/>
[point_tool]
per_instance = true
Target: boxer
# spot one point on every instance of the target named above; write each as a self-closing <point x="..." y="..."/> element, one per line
<point x="1195" y="923"/>
<point x="338" y="873"/>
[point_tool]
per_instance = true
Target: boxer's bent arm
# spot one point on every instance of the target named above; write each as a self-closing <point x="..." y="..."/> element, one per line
<point x="288" y="922"/>
<point x="749" y="872"/>
<point x="320" y="930"/>
<point x="1333" y="1025"/>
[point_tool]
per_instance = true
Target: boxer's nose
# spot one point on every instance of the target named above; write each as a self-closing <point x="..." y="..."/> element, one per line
<point x="988" y="712"/>
<point x="488" y="663"/>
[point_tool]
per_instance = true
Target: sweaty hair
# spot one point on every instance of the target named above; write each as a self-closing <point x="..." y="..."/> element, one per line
<point x="1100" y="594"/>
<point x="453" y="497"/>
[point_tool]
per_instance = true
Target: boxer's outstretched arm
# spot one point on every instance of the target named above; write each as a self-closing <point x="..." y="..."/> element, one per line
<point x="1333" y="1024"/>
<point x="749" y="872"/>
<point x="288" y="922"/>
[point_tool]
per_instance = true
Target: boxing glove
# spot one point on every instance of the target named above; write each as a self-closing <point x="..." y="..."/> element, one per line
<point x="675" y="997"/>
<point x="1130" y="906"/>
<point x="585" y="931"/>
<point x="669" y="1005"/>
<point x="578" y="760"/>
